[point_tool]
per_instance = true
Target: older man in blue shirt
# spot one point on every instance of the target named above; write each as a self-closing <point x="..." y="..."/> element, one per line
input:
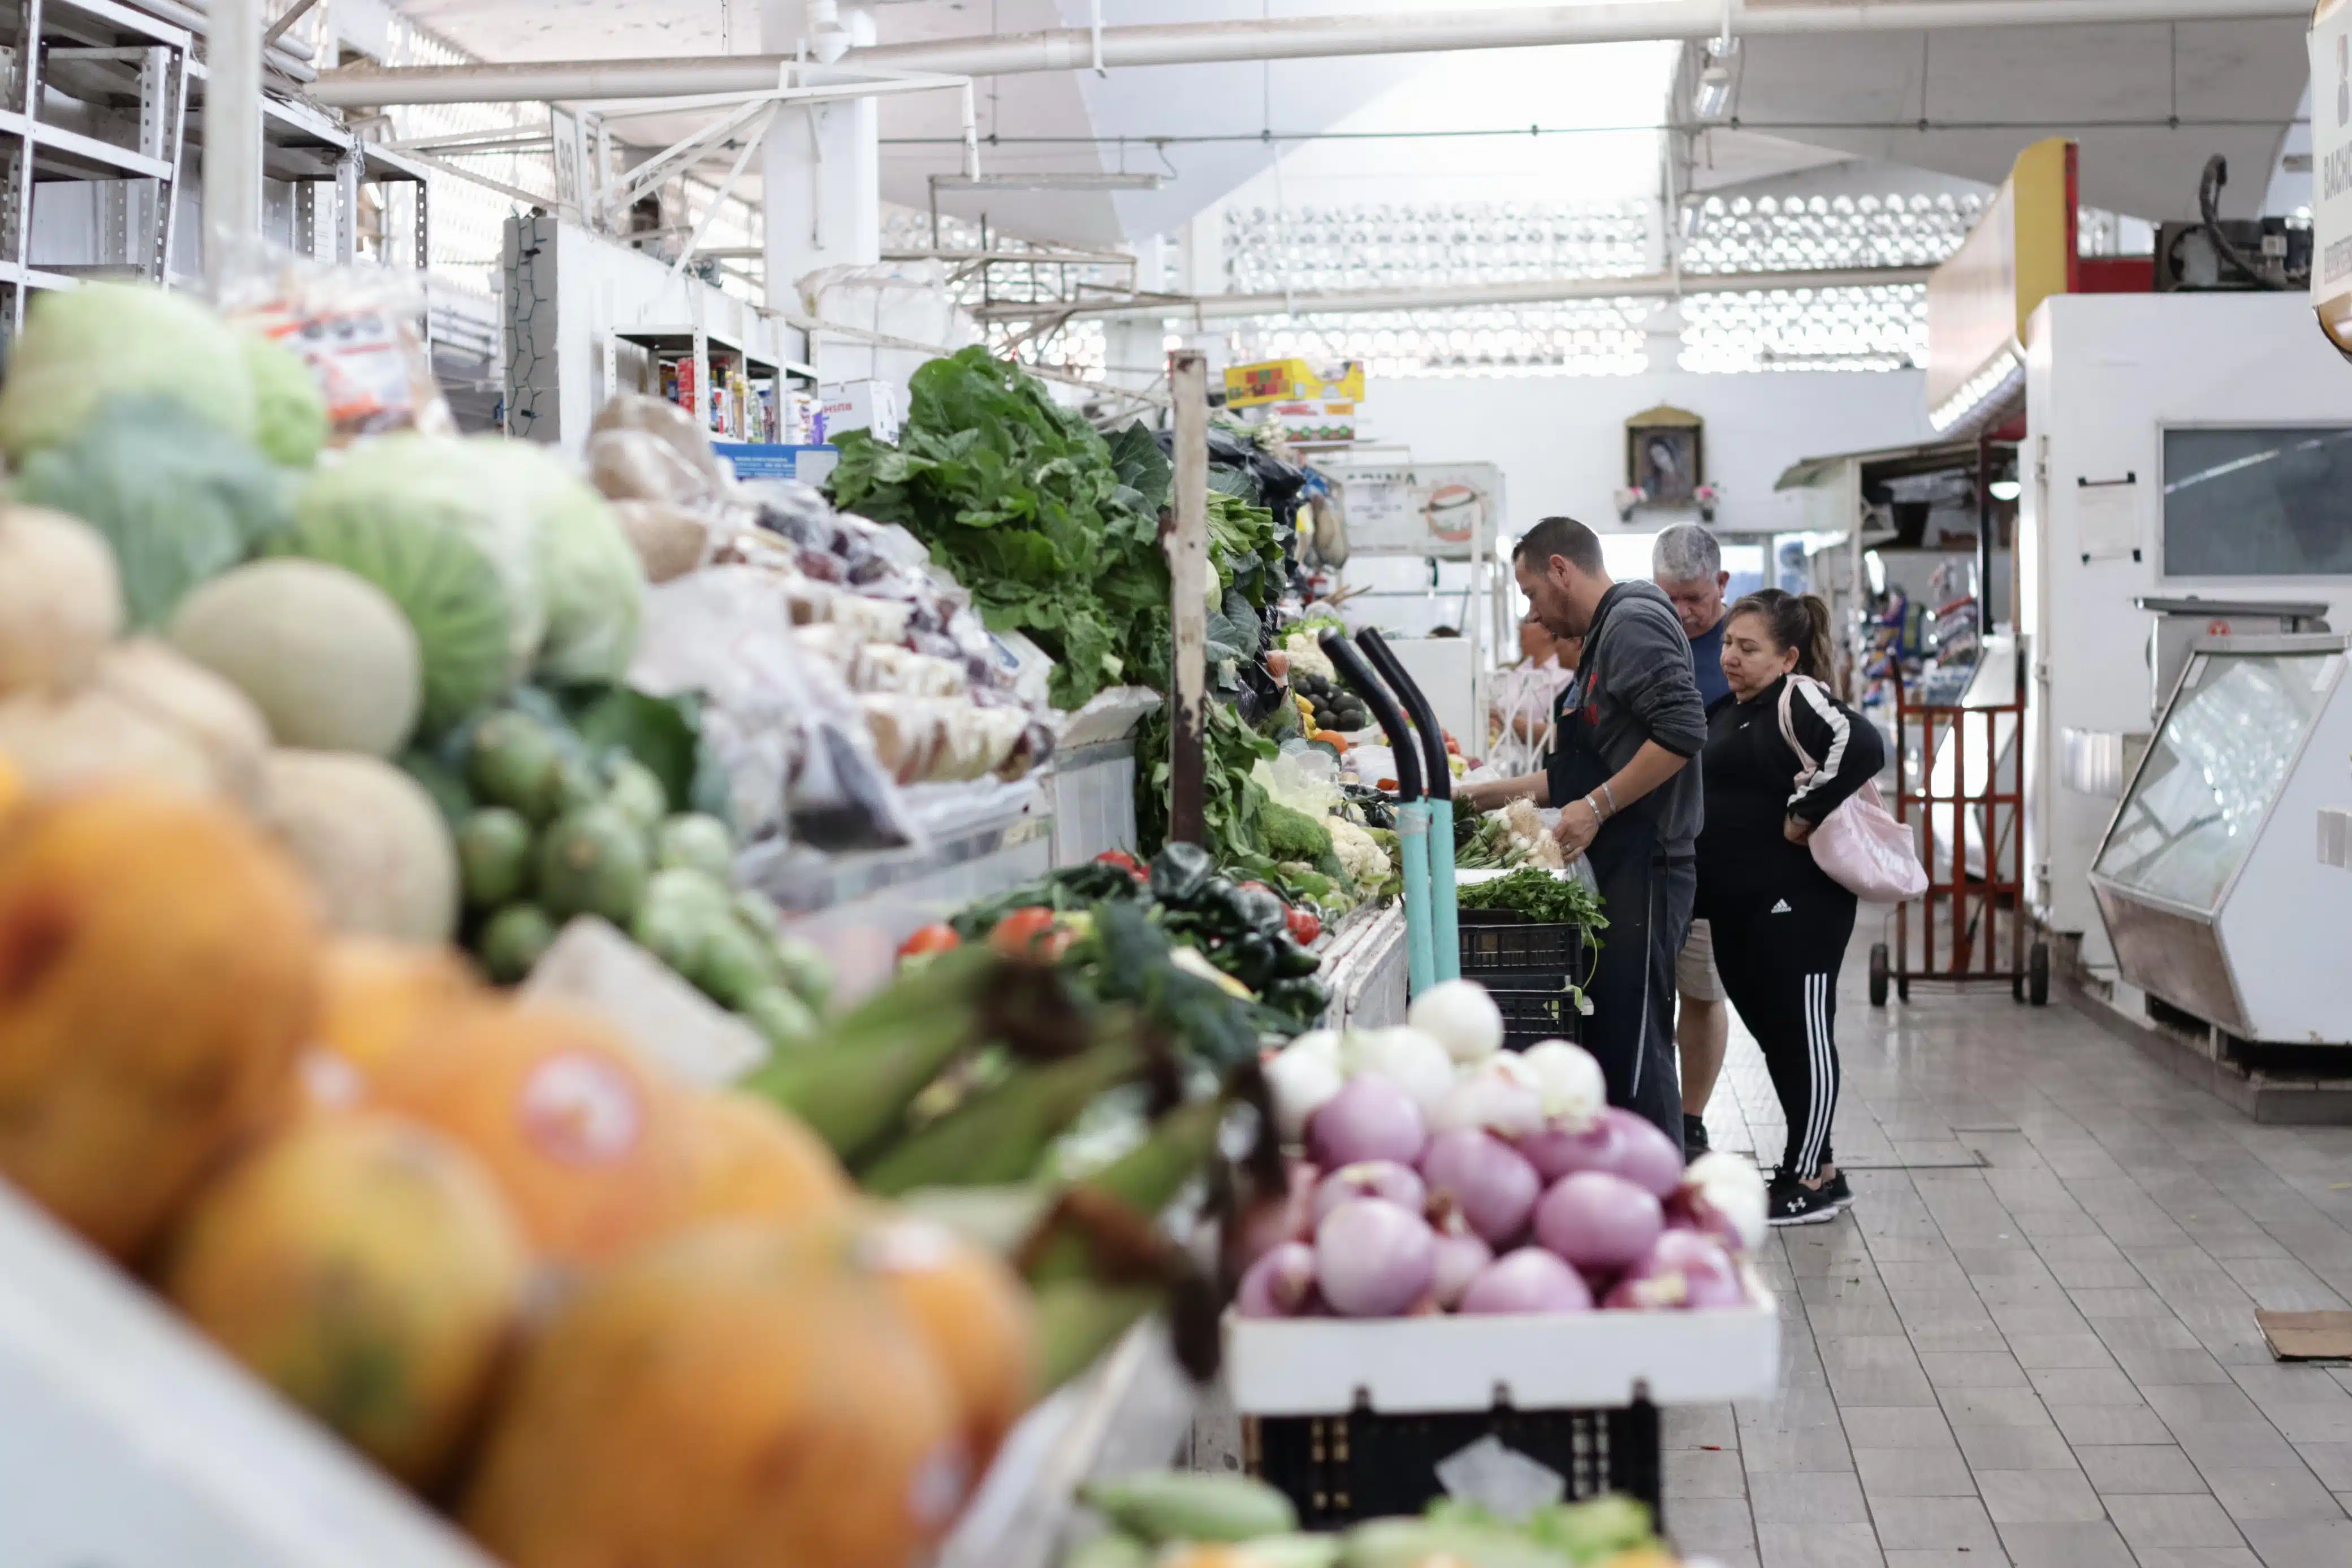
<point x="1688" y="563"/>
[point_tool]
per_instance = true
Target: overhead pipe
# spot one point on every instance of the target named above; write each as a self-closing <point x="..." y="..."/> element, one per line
<point x="1544" y="291"/>
<point x="1290" y="38"/>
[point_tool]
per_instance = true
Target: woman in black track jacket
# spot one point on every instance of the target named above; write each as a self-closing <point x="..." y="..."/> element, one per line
<point x="1781" y="923"/>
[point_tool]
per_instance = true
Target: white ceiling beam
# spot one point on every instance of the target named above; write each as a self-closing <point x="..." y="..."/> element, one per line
<point x="1540" y="291"/>
<point x="1294" y="37"/>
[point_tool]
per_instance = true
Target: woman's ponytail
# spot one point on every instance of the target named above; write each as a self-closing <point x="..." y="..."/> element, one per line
<point x="1794" y="621"/>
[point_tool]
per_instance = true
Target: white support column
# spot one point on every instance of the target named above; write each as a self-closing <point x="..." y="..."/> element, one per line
<point x="822" y="168"/>
<point x="232" y="170"/>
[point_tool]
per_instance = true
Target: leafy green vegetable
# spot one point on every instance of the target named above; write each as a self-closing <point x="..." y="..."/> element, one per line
<point x="179" y="499"/>
<point x="1053" y="532"/>
<point x="1235" y="801"/>
<point x="441" y="526"/>
<point x="589" y="575"/>
<point x="1540" y="896"/>
<point x="82" y="346"/>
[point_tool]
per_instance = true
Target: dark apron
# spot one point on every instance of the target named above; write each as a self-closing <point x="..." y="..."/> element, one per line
<point x="1647" y="897"/>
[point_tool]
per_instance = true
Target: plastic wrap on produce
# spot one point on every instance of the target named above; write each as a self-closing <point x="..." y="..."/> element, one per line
<point x="355" y="327"/>
<point x="1110" y="714"/>
<point x="793" y="740"/>
<point x="648" y="449"/>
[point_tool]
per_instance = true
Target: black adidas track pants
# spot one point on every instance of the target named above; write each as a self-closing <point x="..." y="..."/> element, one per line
<point x="1779" y="956"/>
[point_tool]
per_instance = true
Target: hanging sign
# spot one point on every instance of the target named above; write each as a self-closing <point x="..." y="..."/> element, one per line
<point x="2022" y="251"/>
<point x="2331" y="169"/>
<point x="1449" y="511"/>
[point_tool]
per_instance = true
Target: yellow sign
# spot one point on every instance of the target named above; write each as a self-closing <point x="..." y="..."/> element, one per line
<point x="2022" y="251"/>
<point x="1293" y="380"/>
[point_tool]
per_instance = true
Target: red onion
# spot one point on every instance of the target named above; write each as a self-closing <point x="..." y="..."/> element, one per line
<point x="1596" y="1220"/>
<point x="1371" y="1178"/>
<point x="1681" y="1268"/>
<point x="1373" y="1260"/>
<point x="1276" y="1218"/>
<point x="1279" y="1285"/>
<point x="1528" y="1280"/>
<point x="1460" y="1258"/>
<point x="1620" y="1144"/>
<point x="1493" y="1189"/>
<point x="1371" y="1119"/>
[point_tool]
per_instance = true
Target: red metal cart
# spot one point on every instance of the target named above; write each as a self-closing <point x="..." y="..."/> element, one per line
<point x="1966" y="794"/>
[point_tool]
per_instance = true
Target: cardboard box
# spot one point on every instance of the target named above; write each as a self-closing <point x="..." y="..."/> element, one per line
<point x="857" y="405"/>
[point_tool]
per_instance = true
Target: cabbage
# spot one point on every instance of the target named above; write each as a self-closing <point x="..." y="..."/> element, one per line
<point x="178" y="499"/>
<point x="289" y="413"/>
<point x="81" y="346"/>
<point x="592" y="579"/>
<point x="442" y="528"/>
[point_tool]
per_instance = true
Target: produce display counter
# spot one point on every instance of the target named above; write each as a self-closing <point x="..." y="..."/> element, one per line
<point x="131" y="1441"/>
<point x="1365" y="968"/>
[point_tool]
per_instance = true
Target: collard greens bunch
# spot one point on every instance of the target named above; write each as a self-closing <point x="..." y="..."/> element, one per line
<point x="1054" y="530"/>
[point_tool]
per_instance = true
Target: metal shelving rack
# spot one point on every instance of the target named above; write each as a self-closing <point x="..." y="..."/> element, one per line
<point x="94" y="91"/>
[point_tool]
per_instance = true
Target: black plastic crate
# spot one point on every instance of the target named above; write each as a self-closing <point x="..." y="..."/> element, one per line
<point x="1500" y="947"/>
<point x="1339" y="1470"/>
<point x="1535" y="1014"/>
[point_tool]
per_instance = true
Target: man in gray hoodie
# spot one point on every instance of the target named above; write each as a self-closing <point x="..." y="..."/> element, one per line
<point x="1619" y="770"/>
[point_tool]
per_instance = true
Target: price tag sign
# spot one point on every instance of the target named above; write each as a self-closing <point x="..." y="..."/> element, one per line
<point x="2331" y="169"/>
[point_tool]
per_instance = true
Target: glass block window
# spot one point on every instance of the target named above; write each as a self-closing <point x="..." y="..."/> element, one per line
<point x="1267" y="251"/>
<point x="1590" y="338"/>
<point x="1878" y="328"/>
<point x="1793" y="234"/>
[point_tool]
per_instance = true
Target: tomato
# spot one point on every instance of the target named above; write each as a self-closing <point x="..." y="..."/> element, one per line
<point x="1305" y="927"/>
<point x="1125" y="861"/>
<point x="1261" y="887"/>
<point x="1023" y="933"/>
<point x="929" y="939"/>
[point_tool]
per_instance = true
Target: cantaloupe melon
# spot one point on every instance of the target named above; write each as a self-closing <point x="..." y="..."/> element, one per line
<point x="146" y="716"/>
<point x="372" y="839"/>
<point x="61" y="601"/>
<point x="326" y="655"/>
<point x="587" y="1142"/>
<point x="751" y="1161"/>
<point x="159" y="970"/>
<point x="368" y="1269"/>
<point x="721" y="1401"/>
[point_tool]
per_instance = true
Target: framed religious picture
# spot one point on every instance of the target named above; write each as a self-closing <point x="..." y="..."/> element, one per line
<point x="1665" y="457"/>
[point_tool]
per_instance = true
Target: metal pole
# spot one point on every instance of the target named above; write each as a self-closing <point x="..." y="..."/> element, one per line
<point x="232" y="175"/>
<point x="1290" y="37"/>
<point x="1188" y="568"/>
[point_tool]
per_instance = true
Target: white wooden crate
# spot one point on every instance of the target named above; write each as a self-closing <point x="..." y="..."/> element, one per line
<point x="1327" y="1366"/>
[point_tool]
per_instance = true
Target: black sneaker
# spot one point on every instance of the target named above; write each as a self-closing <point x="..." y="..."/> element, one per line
<point x="1694" y="1136"/>
<point x="1794" y="1202"/>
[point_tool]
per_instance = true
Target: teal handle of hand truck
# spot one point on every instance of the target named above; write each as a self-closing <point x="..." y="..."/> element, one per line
<point x="1444" y="908"/>
<point x="1413" y="843"/>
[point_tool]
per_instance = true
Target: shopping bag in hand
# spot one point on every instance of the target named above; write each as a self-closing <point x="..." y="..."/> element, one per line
<point x="1862" y="847"/>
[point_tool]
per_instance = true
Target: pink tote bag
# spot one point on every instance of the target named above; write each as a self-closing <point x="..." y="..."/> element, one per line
<point x="1861" y="845"/>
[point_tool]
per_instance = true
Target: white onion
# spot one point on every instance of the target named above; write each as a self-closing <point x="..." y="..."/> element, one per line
<point x="1302" y="1077"/>
<point x="1723" y="1195"/>
<point x="1278" y="1285"/>
<point x="1528" y="1280"/>
<point x="1484" y="1179"/>
<point x="1598" y="1222"/>
<point x="1569" y="1082"/>
<point x="1405" y="1057"/>
<point x="1373" y="1260"/>
<point x="1490" y="1098"/>
<point x="1462" y="1017"/>
<point x="1371" y="1119"/>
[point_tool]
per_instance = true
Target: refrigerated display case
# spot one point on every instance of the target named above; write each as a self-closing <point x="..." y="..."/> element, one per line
<point x="2209" y="879"/>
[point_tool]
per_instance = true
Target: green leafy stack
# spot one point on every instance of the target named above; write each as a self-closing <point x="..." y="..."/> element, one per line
<point x="1053" y="529"/>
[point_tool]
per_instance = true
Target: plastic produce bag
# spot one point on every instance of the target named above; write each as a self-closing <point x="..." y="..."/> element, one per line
<point x="794" y="742"/>
<point x="358" y="330"/>
<point x="647" y="449"/>
<point x="1306" y="780"/>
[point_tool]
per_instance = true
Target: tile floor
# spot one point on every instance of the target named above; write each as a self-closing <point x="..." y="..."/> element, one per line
<point x="2031" y="1341"/>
